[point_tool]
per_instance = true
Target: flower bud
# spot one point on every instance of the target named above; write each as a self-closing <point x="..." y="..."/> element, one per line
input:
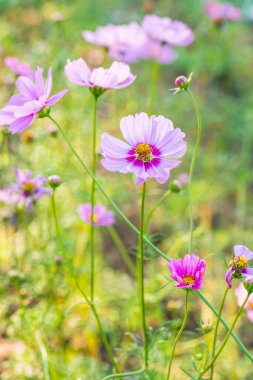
<point x="53" y="130"/>
<point x="181" y="81"/>
<point x="58" y="260"/>
<point x="206" y="328"/>
<point x="54" y="181"/>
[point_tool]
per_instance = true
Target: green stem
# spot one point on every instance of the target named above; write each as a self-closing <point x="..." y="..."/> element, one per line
<point x="133" y="228"/>
<point x="140" y="276"/>
<point x="133" y="373"/>
<point x="44" y="357"/>
<point x="179" y="332"/>
<point x="92" y="231"/>
<point x="157" y="204"/>
<point x="122" y="250"/>
<point x="57" y="226"/>
<point x="193" y="161"/>
<point x="216" y="329"/>
<point x="222" y="345"/>
<point x="101" y="329"/>
<point x="154" y="80"/>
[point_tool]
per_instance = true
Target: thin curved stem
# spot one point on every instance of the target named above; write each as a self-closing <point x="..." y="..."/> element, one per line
<point x="216" y="329"/>
<point x="135" y="229"/>
<point x="157" y="204"/>
<point x="179" y="333"/>
<point x="122" y="250"/>
<point x="222" y="345"/>
<point x="133" y="373"/>
<point x="57" y="226"/>
<point x="140" y="276"/>
<point x="193" y="161"/>
<point x="101" y="329"/>
<point x="93" y="183"/>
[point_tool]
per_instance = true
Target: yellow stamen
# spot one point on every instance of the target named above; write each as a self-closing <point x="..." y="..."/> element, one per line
<point x="28" y="188"/>
<point x="189" y="280"/>
<point x="250" y="304"/>
<point x="95" y="218"/>
<point x="144" y="152"/>
<point x="239" y="263"/>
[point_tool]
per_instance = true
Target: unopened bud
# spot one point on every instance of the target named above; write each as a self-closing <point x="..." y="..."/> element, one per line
<point x="53" y="130"/>
<point x="58" y="260"/>
<point x="181" y="81"/>
<point x="206" y="328"/>
<point x="54" y="181"/>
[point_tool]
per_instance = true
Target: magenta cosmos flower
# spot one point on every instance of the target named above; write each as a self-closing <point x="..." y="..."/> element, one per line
<point x="151" y="150"/>
<point x="101" y="216"/>
<point x="117" y="76"/>
<point x="31" y="101"/>
<point x="188" y="272"/>
<point x="238" y="267"/>
<point x="241" y="294"/>
<point x="165" y="30"/>
<point x="221" y="12"/>
<point x="29" y="189"/>
<point x="125" y="42"/>
<point x="18" y="67"/>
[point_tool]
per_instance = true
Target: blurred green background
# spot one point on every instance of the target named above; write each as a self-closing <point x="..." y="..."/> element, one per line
<point x="44" y="329"/>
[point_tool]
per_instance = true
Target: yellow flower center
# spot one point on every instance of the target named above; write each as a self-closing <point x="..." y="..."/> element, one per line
<point x="250" y="304"/>
<point x="95" y="218"/>
<point x="189" y="279"/>
<point x="144" y="152"/>
<point x="239" y="263"/>
<point x="28" y="188"/>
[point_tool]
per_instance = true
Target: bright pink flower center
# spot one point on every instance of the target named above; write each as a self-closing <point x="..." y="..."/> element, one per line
<point x="189" y="279"/>
<point x="144" y="152"/>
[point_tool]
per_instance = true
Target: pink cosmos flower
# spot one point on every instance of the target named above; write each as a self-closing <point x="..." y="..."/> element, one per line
<point x="28" y="189"/>
<point x="241" y="294"/>
<point x="220" y="12"/>
<point x="165" y="30"/>
<point x="156" y="51"/>
<point x="7" y="196"/>
<point x="18" y="67"/>
<point x="188" y="272"/>
<point x="125" y="42"/>
<point x="30" y="102"/>
<point x="101" y="216"/>
<point x="238" y="267"/>
<point x="151" y="150"/>
<point x="117" y="76"/>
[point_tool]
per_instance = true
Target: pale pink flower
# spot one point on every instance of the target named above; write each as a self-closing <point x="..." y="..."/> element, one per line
<point x="101" y="216"/>
<point x="18" y="67"/>
<point x="31" y="101"/>
<point x="222" y="11"/>
<point x="241" y="294"/>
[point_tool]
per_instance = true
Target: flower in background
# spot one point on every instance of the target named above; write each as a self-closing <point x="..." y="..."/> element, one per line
<point x="7" y="196"/>
<point x="32" y="100"/>
<point x="101" y="216"/>
<point x="162" y="53"/>
<point x="125" y="42"/>
<point x="241" y="294"/>
<point x="219" y="12"/>
<point x="152" y="149"/>
<point x="178" y="184"/>
<point x="29" y="189"/>
<point x="238" y="267"/>
<point x="117" y="76"/>
<point x="167" y="31"/>
<point x="188" y="272"/>
<point x="18" y="67"/>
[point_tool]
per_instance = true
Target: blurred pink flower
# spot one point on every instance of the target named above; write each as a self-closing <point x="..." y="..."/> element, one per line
<point x="188" y="272"/>
<point x="33" y="97"/>
<point x="241" y="294"/>
<point x="238" y="267"/>
<point x="222" y="11"/>
<point x="101" y="216"/>
<point x="125" y="42"/>
<point x="29" y="189"/>
<point x="155" y="51"/>
<point x="165" y="30"/>
<point x="7" y="196"/>
<point x="152" y="149"/>
<point x="18" y="67"/>
<point x="117" y="76"/>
